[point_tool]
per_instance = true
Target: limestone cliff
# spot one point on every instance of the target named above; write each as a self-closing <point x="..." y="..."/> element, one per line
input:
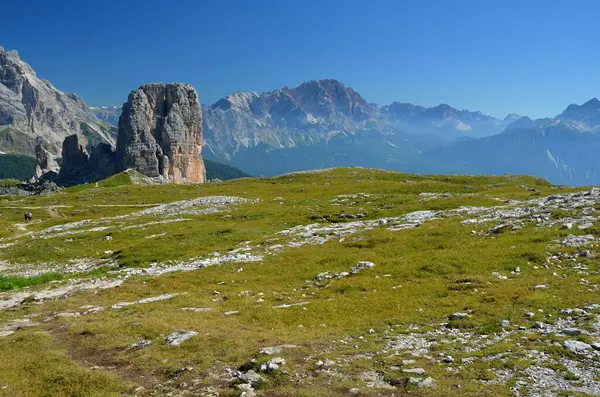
<point x="160" y="133"/>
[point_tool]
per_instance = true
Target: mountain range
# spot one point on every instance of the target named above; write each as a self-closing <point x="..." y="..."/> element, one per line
<point x="323" y="123"/>
<point x="563" y="149"/>
<point x="32" y="107"/>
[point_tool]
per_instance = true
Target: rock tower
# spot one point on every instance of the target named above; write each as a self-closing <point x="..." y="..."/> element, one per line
<point x="160" y="133"/>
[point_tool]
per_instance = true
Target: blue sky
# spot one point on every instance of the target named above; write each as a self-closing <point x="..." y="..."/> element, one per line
<point x="532" y="57"/>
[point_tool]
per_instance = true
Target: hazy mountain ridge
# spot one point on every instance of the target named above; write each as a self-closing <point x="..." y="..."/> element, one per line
<point x="562" y="149"/>
<point x="109" y="114"/>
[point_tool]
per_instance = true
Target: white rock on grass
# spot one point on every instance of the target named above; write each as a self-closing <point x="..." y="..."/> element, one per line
<point x="140" y="344"/>
<point x="287" y="305"/>
<point x="361" y="266"/>
<point x="177" y="338"/>
<point x="246" y="390"/>
<point x="197" y="309"/>
<point x="325" y="364"/>
<point x="145" y="300"/>
<point x="250" y="377"/>
<point x="577" y="347"/>
<point x="272" y="365"/>
<point x="414" y="371"/>
<point x="428" y="382"/>
<point x="272" y="350"/>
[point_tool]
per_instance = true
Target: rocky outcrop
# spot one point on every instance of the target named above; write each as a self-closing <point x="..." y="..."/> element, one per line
<point x="81" y="167"/>
<point x="160" y="136"/>
<point x="46" y="164"/>
<point x="31" y="107"/>
<point x="160" y="133"/>
<point x="74" y="153"/>
<point x="75" y="157"/>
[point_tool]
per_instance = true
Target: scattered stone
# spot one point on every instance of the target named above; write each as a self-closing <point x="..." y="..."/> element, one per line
<point x="448" y="359"/>
<point x="246" y="390"/>
<point x="286" y="305"/>
<point x="375" y="380"/>
<point x="458" y="316"/>
<point x="540" y="286"/>
<point x="571" y="331"/>
<point x="505" y="323"/>
<point x="177" y="338"/>
<point x="577" y="347"/>
<point x="499" y="276"/>
<point x="361" y="266"/>
<point x="67" y="315"/>
<point x="573" y="241"/>
<point x="272" y="365"/>
<point x="10" y="327"/>
<point x="414" y="371"/>
<point x="272" y="350"/>
<point x="538" y="325"/>
<point x="142" y="301"/>
<point x="325" y="364"/>
<point x="501" y="228"/>
<point x="140" y="344"/>
<point x="428" y="382"/>
<point x="250" y="377"/>
<point x="197" y="309"/>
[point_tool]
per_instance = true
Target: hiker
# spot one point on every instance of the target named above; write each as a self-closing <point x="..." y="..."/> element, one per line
<point x="28" y="216"/>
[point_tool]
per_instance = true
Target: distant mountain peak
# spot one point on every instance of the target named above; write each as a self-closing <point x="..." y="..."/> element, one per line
<point x="33" y="108"/>
<point x="512" y="117"/>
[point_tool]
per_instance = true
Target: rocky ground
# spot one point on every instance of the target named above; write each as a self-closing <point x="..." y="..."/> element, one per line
<point x="307" y="285"/>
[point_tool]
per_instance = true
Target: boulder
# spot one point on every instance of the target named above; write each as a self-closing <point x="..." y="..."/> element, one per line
<point x="160" y="133"/>
<point x="577" y="347"/>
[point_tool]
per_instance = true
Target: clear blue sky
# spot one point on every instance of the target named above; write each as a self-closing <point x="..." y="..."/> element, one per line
<point x="533" y="57"/>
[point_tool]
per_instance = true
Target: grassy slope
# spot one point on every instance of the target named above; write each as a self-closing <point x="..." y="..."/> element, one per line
<point x="430" y="263"/>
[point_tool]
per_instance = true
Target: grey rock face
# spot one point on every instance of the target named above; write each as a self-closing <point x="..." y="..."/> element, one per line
<point x="81" y="167"/>
<point x="74" y="154"/>
<point x="160" y="133"/>
<point x="46" y="164"/>
<point x="31" y="107"/>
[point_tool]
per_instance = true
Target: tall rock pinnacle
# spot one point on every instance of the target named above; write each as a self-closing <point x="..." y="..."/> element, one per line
<point x="160" y="133"/>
